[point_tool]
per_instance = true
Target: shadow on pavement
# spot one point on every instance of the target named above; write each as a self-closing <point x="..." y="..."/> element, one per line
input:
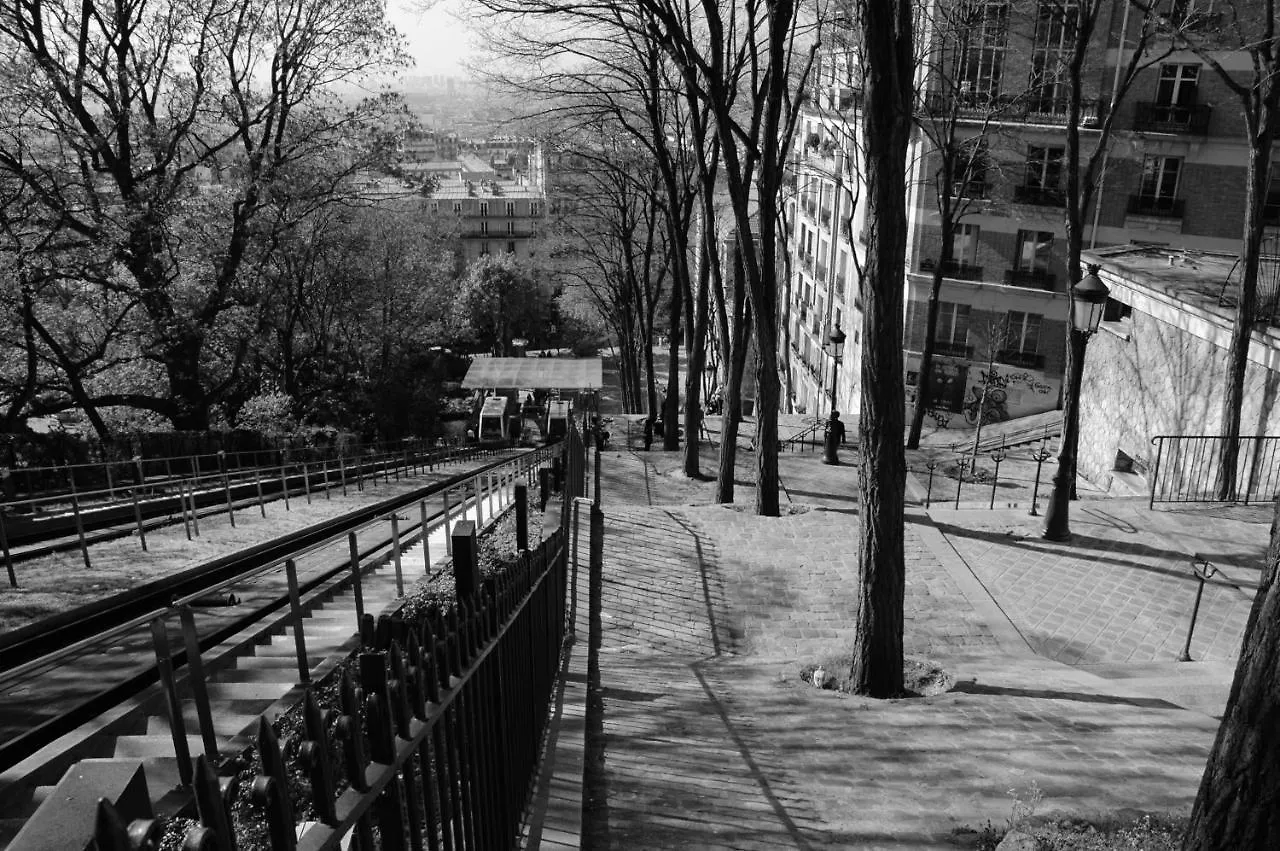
<point x="1058" y="694"/>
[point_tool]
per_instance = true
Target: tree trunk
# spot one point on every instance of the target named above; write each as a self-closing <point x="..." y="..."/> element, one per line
<point x="736" y="341"/>
<point x="1246" y="307"/>
<point x="925" y="375"/>
<point x="876" y="669"/>
<point x="1238" y="805"/>
<point x="697" y="348"/>
<point x="671" y="403"/>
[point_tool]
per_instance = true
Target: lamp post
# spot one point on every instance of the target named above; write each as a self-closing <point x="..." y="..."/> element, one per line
<point x="1089" y="299"/>
<point x="832" y="443"/>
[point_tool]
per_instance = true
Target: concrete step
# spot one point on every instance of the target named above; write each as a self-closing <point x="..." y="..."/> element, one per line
<point x="128" y="747"/>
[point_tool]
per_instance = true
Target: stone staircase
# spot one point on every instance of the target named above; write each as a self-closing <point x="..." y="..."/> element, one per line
<point x="244" y="680"/>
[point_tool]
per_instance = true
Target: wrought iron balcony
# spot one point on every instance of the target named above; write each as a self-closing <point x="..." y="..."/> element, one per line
<point x="953" y="269"/>
<point x="1149" y="205"/>
<point x="1002" y="108"/>
<point x="1040" y="196"/>
<point x="974" y="190"/>
<point x="1025" y="360"/>
<point x="1036" y="279"/>
<point x="949" y="349"/>
<point x="1172" y="118"/>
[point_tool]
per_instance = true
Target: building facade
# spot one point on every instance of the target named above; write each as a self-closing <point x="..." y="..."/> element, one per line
<point x="497" y="214"/>
<point x="1173" y="174"/>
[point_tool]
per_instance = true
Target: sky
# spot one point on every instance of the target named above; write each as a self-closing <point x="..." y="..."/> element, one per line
<point x="438" y="42"/>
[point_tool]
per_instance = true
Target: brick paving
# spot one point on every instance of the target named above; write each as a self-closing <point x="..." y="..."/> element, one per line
<point x="710" y="740"/>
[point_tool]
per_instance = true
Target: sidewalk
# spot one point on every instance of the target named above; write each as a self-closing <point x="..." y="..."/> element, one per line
<point x="707" y="738"/>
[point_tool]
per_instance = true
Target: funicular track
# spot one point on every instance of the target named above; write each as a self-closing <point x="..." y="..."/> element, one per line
<point x="47" y="521"/>
<point x="119" y="627"/>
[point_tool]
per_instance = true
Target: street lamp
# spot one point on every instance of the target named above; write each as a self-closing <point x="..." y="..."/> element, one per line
<point x="1089" y="299"/>
<point x="832" y="444"/>
<point x="519" y="343"/>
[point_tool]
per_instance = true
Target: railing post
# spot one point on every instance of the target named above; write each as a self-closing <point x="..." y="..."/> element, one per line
<point x="395" y="553"/>
<point x="478" y="484"/>
<point x="172" y="705"/>
<point x="226" y="486"/>
<point x="8" y="557"/>
<point x="448" y="541"/>
<point x="195" y="677"/>
<point x="1158" y="440"/>
<point x="466" y="568"/>
<point x="295" y="606"/>
<point x="426" y="538"/>
<point x="356" y="590"/>
<point x="75" y="508"/>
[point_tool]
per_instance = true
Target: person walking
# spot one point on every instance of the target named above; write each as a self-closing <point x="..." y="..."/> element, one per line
<point x="837" y="425"/>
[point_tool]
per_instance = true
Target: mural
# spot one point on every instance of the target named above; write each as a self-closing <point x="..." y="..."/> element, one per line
<point x="1012" y="392"/>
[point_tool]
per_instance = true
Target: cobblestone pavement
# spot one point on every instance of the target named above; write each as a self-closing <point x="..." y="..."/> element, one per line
<point x="710" y="740"/>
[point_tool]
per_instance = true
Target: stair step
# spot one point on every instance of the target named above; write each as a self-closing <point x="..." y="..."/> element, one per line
<point x="227" y="722"/>
<point x="128" y="747"/>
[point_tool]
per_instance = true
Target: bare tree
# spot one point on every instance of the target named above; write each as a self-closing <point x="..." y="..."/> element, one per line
<point x="121" y="114"/>
<point x="1238" y="805"/>
<point x="887" y="45"/>
<point x="1248" y="30"/>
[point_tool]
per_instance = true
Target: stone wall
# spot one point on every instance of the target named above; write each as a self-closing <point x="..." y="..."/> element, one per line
<point x="1148" y="376"/>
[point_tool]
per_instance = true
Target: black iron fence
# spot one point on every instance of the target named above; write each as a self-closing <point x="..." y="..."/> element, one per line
<point x="1189" y="468"/>
<point x="432" y="738"/>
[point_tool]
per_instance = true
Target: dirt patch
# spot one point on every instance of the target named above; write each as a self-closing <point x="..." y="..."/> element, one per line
<point x="920" y="677"/>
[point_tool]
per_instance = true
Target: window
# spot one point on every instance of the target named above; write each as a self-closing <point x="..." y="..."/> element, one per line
<point x="964" y="251"/>
<point x="1160" y="178"/>
<point x="1041" y="177"/>
<point x="484" y="208"/>
<point x="1044" y="169"/>
<point x="952" y="334"/>
<point x="1022" y="332"/>
<point x="511" y="208"/>
<point x="484" y="228"/>
<point x="1177" y="85"/>
<point x="511" y="228"/>
<point x="982" y="56"/>
<point x="1020" y="340"/>
<point x="1050" y="49"/>
<point x="970" y="174"/>
<point x="484" y="248"/>
<point x="1034" y="250"/>
<point x="457" y="208"/>
<point x="435" y="206"/>
<point x="511" y="248"/>
<point x="535" y="208"/>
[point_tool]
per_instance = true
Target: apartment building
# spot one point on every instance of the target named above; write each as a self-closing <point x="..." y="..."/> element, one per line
<point x="499" y="214"/>
<point x="1173" y="175"/>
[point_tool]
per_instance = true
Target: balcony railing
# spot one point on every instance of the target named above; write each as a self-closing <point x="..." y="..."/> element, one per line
<point x="952" y="350"/>
<point x="1025" y="360"/>
<point x="954" y="269"/>
<point x="974" y="190"/>
<point x="1002" y="108"/>
<point x="1163" y="207"/>
<point x="1036" y="279"/>
<point x="1040" y="196"/>
<point x="1172" y="118"/>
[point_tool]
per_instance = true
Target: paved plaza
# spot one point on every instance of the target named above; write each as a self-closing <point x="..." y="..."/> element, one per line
<point x="1064" y="657"/>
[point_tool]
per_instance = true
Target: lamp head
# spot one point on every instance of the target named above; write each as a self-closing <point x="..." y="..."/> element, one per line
<point x="1089" y="301"/>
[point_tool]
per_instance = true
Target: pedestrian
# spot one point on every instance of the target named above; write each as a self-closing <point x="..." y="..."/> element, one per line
<point x="837" y="426"/>
<point x="648" y="433"/>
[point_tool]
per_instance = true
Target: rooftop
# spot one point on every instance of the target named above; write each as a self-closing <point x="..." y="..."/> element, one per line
<point x="1207" y="280"/>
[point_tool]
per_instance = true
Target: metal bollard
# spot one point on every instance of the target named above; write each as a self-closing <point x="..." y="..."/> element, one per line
<point x="1204" y="571"/>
